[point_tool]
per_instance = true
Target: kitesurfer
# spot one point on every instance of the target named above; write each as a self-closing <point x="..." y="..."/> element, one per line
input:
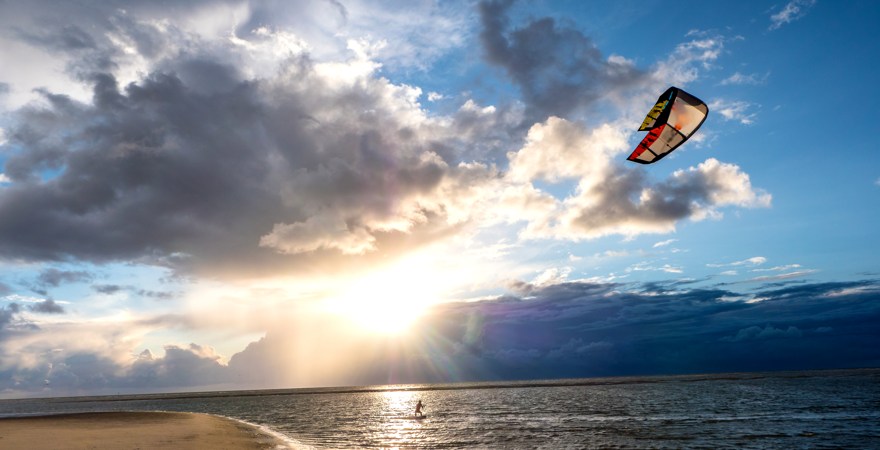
<point x="419" y="409"/>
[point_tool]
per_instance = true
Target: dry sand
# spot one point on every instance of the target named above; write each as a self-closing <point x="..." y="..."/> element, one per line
<point x="131" y="430"/>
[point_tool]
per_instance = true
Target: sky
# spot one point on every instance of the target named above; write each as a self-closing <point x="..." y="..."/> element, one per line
<point x="269" y="194"/>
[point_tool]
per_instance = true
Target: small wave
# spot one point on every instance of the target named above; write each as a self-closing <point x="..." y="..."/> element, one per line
<point x="288" y="442"/>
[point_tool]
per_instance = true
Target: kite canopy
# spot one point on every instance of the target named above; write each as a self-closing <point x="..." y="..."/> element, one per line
<point x="676" y="117"/>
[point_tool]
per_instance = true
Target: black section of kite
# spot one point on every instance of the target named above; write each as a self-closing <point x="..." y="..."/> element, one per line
<point x="675" y="117"/>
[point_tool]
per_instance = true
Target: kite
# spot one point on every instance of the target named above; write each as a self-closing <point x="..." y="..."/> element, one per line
<point x="676" y="117"/>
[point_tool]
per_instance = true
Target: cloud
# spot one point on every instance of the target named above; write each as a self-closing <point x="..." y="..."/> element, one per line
<point x="606" y="329"/>
<point x="190" y="365"/>
<point x="625" y="203"/>
<point x="757" y="333"/>
<point x="792" y="11"/>
<point x="54" y="277"/>
<point x="777" y="268"/>
<point x="194" y="159"/>
<point x="612" y="200"/>
<point x="557" y="69"/>
<point x="47" y="306"/>
<point x="108" y="289"/>
<point x="664" y="243"/>
<point x="689" y="59"/>
<point x="734" y="110"/>
<point x="782" y="276"/>
<point x="8" y="312"/>
<point x="564" y="328"/>
<point x="648" y="267"/>
<point x="260" y="154"/>
<point x="745" y="79"/>
<point x="753" y="261"/>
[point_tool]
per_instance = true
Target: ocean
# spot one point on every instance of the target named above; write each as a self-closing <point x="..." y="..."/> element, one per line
<point x="815" y="409"/>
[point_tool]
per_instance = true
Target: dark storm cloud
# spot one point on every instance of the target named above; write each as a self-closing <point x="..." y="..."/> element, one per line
<point x="68" y="373"/>
<point x="181" y="366"/>
<point x="156" y="295"/>
<point x="54" y="277"/>
<point x="86" y="53"/>
<point x="108" y="288"/>
<point x="768" y="332"/>
<point x="558" y="69"/>
<point x="587" y="329"/>
<point x="194" y="163"/>
<point x="159" y="165"/>
<point x="47" y="306"/>
<point x="7" y="314"/>
<point x="575" y="329"/>
<point x="63" y="39"/>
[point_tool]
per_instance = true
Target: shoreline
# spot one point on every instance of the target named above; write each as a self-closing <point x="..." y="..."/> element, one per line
<point x="127" y="430"/>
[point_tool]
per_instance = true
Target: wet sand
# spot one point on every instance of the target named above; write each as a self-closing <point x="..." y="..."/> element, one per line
<point x="132" y="430"/>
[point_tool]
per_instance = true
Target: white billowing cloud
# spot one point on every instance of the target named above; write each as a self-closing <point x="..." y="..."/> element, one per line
<point x="51" y="42"/>
<point x="294" y="154"/>
<point x="46" y="343"/>
<point x="316" y="233"/>
<point x="728" y="185"/>
<point x="322" y="156"/>
<point x="685" y="63"/>
<point x="737" y="110"/>
<point x="624" y="203"/>
<point x="559" y="149"/>
<point x="793" y="10"/>
<point x="552" y="276"/>
<point x="611" y="199"/>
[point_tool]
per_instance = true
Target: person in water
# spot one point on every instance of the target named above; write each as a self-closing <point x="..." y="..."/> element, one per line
<point x="419" y="409"/>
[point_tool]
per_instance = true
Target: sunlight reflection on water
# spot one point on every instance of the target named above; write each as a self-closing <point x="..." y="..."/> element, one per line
<point x="729" y="410"/>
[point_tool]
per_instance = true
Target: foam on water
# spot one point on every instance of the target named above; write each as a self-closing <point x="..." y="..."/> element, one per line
<point x="287" y="441"/>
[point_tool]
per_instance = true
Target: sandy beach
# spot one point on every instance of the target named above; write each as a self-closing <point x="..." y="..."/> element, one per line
<point x="132" y="430"/>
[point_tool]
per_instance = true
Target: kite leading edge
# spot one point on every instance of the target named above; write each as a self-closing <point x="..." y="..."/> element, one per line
<point x="675" y="117"/>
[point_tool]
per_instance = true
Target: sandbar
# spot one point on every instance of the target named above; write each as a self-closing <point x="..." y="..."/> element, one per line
<point x="132" y="430"/>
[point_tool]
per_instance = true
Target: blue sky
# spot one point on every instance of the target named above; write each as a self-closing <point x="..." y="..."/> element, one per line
<point x="266" y="194"/>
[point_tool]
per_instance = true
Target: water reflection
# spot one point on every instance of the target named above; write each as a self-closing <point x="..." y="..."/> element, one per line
<point x="824" y="410"/>
<point x="397" y="425"/>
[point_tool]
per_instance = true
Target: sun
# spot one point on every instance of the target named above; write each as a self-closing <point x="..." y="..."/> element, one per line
<point x="387" y="301"/>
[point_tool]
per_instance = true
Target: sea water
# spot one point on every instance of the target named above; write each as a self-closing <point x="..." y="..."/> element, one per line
<point x="822" y="409"/>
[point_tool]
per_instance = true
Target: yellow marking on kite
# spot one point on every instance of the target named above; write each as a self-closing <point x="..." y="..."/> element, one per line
<point x="655" y="112"/>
